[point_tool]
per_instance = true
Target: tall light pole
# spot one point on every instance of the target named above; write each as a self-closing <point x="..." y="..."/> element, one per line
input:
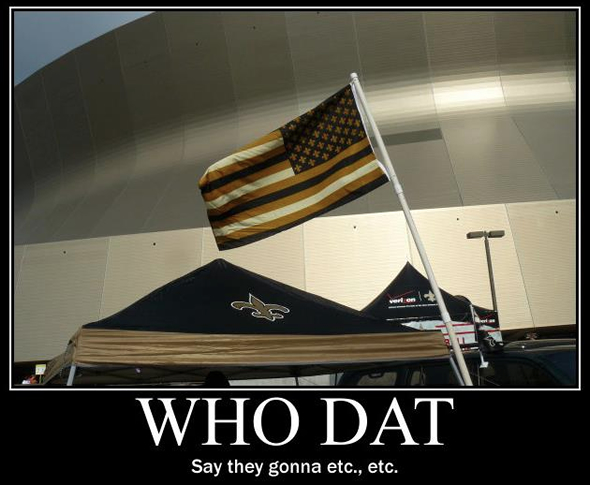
<point x="486" y="235"/>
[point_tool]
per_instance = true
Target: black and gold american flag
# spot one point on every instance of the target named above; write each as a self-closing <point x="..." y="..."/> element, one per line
<point x="311" y="165"/>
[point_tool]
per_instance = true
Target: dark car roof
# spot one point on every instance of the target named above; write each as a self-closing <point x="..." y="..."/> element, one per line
<point x="539" y="344"/>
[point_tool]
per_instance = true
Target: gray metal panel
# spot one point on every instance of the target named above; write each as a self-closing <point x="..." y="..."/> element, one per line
<point x="570" y="33"/>
<point x="24" y="185"/>
<point x="112" y="134"/>
<point x="492" y="162"/>
<point x="426" y="174"/>
<point x="43" y="156"/>
<point x="262" y="72"/>
<point x="462" y="52"/>
<point x="552" y="138"/>
<point x="395" y="72"/>
<point x="181" y="205"/>
<point x="70" y="120"/>
<point x="530" y="39"/>
<point x="38" y="128"/>
<point x="59" y="289"/>
<point x="201" y="77"/>
<point x="461" y="43"/>
<point x="72" y="131"/>
<point x="156" y="117"/>
<point x="323" y="51"/>
<point x="535" y="58"/>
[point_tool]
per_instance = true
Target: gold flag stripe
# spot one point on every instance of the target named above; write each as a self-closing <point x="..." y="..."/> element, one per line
<point x="228" y="201"/>
<point x="237" y="188"/>
<point x="276" y="205"/>
<point x="242" y="159"/>
<point x="300" y="210"/>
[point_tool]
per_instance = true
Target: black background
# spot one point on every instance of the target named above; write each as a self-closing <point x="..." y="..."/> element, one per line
<point x="82" y="434"/>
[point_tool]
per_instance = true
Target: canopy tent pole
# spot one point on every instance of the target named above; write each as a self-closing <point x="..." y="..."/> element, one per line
<point x="464" y="373"/>
<point x="71" y="375"/>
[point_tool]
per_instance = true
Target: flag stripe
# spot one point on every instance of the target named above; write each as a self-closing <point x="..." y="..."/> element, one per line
<point x="318" y="198"/>
<point x="295" y="192"/>
<point x="216" y="208"/>
<point x="271" y="176"/>
<point x="256" y="235"/>
<point x="238" y="160"/>
<point x="249" y="170"/>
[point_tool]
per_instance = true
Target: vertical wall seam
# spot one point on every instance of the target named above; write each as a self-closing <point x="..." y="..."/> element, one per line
<point x="93" y="142"/>
<point x="438" y="121"/>
<point x="509" y="111"/>
<point x="524" y="285"/>
<point x="133" y="140"/>
<point x="183" y="150"/>
<point x="104" y="279"/>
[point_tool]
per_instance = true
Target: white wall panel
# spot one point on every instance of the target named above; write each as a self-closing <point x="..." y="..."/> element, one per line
<point x="460" y="266"/>
<point x="279" y="257"/>
<point x="351" y="259"/>
<point x="18" y="253"/>
<point x="59" y="289"/>
<point x="140" y="263"/>
<point x="545" y="238"/>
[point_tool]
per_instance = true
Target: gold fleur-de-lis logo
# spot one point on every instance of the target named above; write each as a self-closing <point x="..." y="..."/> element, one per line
<point x="261" y="309"/>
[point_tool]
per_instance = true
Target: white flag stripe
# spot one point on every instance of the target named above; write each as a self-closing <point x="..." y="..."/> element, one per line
<point x="297" y="206"/>
<point x="244" y="189"/>
<point x="246" y="154"/>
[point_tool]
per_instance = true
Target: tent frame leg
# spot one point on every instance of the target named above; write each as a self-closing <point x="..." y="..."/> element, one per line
<point x="71" y="376"/>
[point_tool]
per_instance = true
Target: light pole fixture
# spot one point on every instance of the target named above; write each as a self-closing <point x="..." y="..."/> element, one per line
<point x="486" y="235"/>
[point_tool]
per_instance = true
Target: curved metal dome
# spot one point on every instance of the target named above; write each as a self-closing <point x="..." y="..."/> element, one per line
<point x="476" y="108"/>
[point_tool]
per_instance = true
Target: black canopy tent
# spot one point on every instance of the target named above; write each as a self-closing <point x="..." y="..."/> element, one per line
<point x="409" y="300"/>
<point x="223" y="317"/>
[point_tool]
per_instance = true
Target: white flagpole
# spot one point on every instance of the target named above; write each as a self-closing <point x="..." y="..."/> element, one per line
<point x="409" y="219"/>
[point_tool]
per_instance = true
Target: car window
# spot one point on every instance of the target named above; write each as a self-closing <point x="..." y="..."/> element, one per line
<point x="434" y="375"/>
<point x="379" y="379"/>
<point x="564" y="362"/>
<point x="514" y="373"/>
